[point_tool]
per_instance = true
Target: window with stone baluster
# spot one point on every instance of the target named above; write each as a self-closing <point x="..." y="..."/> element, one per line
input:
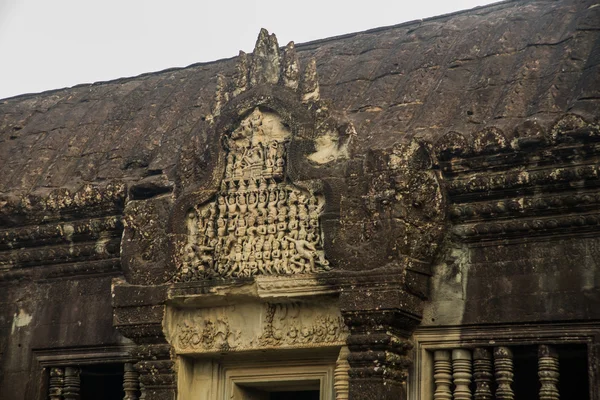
<point x="105" y="372"/>
<point x="505" y="362"/>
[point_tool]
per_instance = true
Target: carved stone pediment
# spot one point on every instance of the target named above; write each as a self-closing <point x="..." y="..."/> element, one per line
<point x="257" y="208"/>
<point x="258" y="223"/>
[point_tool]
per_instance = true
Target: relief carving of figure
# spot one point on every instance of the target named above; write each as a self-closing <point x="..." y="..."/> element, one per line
<point x="259" y="222"/>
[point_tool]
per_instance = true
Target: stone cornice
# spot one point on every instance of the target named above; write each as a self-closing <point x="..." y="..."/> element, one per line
<point x="539" y="184"/>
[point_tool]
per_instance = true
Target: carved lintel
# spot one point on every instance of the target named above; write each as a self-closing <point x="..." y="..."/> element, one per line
<point x="256" y="326"/>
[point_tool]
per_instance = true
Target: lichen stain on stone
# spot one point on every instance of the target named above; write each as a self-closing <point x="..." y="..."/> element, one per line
<point x="101" y="243"/>
<point x="20" y="320"/>
<point x="329" y="149"/>
<point x="67" y="231"/>
<point x="461" y="263"/>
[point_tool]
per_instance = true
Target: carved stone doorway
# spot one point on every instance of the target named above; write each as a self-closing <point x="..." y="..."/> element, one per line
<point x="311" y="375"/>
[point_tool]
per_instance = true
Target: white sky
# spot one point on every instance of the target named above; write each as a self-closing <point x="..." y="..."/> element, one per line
<point x="50" y="44"/>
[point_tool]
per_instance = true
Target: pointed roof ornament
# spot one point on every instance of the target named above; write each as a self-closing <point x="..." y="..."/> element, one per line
<point x="240" y="79"/>
<point x="290" y="71"/>
<point x="268" y="65"/>
<point x="265" y="60"/>
<point x="310" y="83"/>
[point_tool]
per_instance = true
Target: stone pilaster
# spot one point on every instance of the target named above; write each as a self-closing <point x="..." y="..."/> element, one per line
<point x="138" y="315"/>
<point x="379" y="342"/>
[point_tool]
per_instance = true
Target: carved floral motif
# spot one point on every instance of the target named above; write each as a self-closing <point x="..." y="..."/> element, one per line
<point x="209" y="335"/>
<point x="283" y="325"/>
<point x="283" y="328"/>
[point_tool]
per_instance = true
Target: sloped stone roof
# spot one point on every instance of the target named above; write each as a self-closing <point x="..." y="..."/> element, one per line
<point x="498" y="65"/>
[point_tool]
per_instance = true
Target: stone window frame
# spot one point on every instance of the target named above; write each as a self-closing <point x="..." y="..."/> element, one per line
<point x="45" y="359"/>
<point x="428" y="339"/>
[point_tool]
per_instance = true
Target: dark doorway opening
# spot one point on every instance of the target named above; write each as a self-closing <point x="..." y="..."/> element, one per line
<point x="295" y="395"/>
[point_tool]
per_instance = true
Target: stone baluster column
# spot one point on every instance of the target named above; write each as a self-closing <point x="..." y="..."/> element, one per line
<point x="340" y="375"/>
<point x="131" y="382"/>
<point x="56" y="384"/>
<point x="548" y="372"/>
<point x="72" y="387"/>
<point x="442" y="375"/>
<point x="482" y="373"/>
<point x="503" y="364"/>
<point x="461" y="368"/>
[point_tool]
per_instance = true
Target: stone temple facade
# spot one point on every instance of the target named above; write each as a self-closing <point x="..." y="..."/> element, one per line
<point x="407" y="213"/>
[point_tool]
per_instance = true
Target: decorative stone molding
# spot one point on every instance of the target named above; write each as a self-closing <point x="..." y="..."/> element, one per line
<point x="295" y="286"/>
<point x="68" y="233"/>
<point x="157" y="371"/>
<point x="89" y="200"/>
<point x="539" y="183"/>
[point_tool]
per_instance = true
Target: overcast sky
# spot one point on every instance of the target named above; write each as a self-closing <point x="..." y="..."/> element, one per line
<point x="50" y="44"/>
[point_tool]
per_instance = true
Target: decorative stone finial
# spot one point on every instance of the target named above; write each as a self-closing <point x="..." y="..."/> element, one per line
<point x="265" y="66"/>
<point x="268" y="65"/>
<point x="290" y="67"/>
<point x="310" y="83"/>
<point x="240" y="79"/>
